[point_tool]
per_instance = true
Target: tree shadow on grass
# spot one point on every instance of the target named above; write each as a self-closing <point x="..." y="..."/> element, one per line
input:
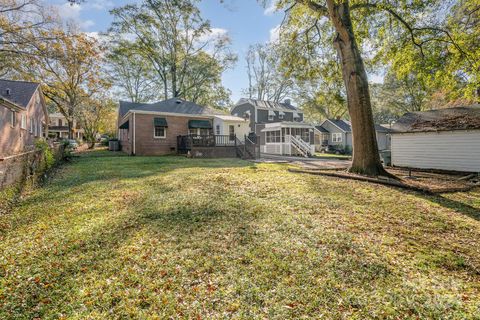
<point x="54" y="284"/>
<point x="104" y="172"/>
<point x="95" y="167"/>
<point x="455" y="205"/>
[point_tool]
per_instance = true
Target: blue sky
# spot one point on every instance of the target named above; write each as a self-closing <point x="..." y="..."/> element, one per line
<point x="246" y="21"/>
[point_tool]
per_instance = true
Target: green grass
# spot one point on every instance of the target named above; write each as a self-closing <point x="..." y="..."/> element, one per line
<point x="332" y="155"/>
<point x="170" y="237"/>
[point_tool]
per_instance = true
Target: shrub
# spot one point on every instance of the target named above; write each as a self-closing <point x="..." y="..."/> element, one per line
<point x="67" y="150"/>
<point x="46" y="152"/>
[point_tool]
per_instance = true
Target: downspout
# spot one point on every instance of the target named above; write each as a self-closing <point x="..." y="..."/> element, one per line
<point x="134" y="135"/>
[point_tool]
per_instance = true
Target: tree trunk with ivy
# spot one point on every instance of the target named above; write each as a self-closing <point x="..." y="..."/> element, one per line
<point x="366" y="159"/>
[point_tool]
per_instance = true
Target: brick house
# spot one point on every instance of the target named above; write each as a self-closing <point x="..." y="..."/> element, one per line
<point x="23" y="116"/>
<point x="155" y="128"/>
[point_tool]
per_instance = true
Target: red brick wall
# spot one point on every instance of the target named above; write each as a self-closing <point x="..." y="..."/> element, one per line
<point x="16" y="140"/>
<point x="125" y="137"/>
<point x="146" y="144"/>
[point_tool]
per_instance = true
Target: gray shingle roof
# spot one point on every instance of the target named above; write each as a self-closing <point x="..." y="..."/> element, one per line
<point x="173" y="105"/>
<point x="322" y="129"/>
<point x="346" y="126"/>
<point x="342" y="124"/>
<point x="278" y="106"/>
<point x="21" y="92"/>
<point x="459" y="118"/>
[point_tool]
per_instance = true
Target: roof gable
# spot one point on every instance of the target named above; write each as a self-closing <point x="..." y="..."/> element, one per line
<point x="18" y="92"/>
<point x="343" y="125"/>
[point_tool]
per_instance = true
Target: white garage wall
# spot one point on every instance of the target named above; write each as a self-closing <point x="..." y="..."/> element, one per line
<point x="449" y="150"/>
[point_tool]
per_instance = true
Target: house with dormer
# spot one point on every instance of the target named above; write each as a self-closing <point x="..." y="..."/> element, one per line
<point x="23" y="116"/>
<point x="279" y="126"/>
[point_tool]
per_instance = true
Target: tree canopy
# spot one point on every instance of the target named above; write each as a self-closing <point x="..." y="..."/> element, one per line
<point x="182" y="50"/>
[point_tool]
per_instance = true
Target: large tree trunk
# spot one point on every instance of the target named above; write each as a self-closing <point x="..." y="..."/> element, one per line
<point x="70" y="129"/>
<point x="366" y="159"/>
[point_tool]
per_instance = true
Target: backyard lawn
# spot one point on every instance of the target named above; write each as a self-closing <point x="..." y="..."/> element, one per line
<point x="169" y="237"/>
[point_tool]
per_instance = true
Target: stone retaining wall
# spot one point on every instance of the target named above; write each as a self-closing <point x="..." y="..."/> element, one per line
<point x="17" y="169"/>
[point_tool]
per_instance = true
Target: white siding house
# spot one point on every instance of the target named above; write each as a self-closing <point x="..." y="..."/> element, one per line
<point x="446" y="139"/>
<point x="231" y="125"/>
<point x="445" y="150"/>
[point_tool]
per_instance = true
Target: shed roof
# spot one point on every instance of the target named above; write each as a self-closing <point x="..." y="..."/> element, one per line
<point x="173" y="105"/>
<point x="20" y="92"/>
<point x="459" y="118"/>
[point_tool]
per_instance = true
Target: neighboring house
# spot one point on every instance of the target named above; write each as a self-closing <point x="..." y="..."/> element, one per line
<point x="260" y="112"/>
<point x="23" y="116"/>
<point x="279" y="126"/>
<point x="445" y="139"/>
<point x="231" y="126"/>
<point x="338" y="132"/>
<point x="59" y="127"/>
<point x="174" y="125"/>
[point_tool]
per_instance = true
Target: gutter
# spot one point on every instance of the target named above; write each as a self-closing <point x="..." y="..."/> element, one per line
<point x="11" y="104"/>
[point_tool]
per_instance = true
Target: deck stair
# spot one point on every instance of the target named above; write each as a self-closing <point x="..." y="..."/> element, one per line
<point x="301" y="146"/>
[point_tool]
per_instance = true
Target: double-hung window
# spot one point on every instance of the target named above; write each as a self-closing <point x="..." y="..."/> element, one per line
<point x="23" y="122"/>
<point x="159" y="128"/>
<point x="160" y="132"/>
<point x="13" y="118"/>
<point x="336" y="137"/>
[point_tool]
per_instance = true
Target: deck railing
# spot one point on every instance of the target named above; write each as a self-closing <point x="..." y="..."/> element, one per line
<point x="186" y="143"/>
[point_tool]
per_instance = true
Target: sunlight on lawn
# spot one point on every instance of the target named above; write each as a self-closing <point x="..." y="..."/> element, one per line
<point x="160" y="237"/>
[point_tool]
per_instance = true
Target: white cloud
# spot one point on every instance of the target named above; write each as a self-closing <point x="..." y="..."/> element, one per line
<point x="72" y="12"/>
<point x="101" y="4"/>
<point x="215" y="33"/>
<point x="69" y="11"/>
<point x="275" y="34"/>
<point x="86" y="24"/>
<point x="272" y="8"/>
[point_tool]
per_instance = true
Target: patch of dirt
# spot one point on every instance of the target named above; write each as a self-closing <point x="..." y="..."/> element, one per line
<point x="436" y="182"/>
<point x="421" y="181"/>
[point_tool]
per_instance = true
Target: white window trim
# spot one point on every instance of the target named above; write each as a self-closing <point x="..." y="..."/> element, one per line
<point x="218" y="130"/>
<point x="23" y="122"/>
<point x="13" y="118"/>
<point x="160" y="137"/>
<point x="271" y="115"/>
<point x="337" y="137"/>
